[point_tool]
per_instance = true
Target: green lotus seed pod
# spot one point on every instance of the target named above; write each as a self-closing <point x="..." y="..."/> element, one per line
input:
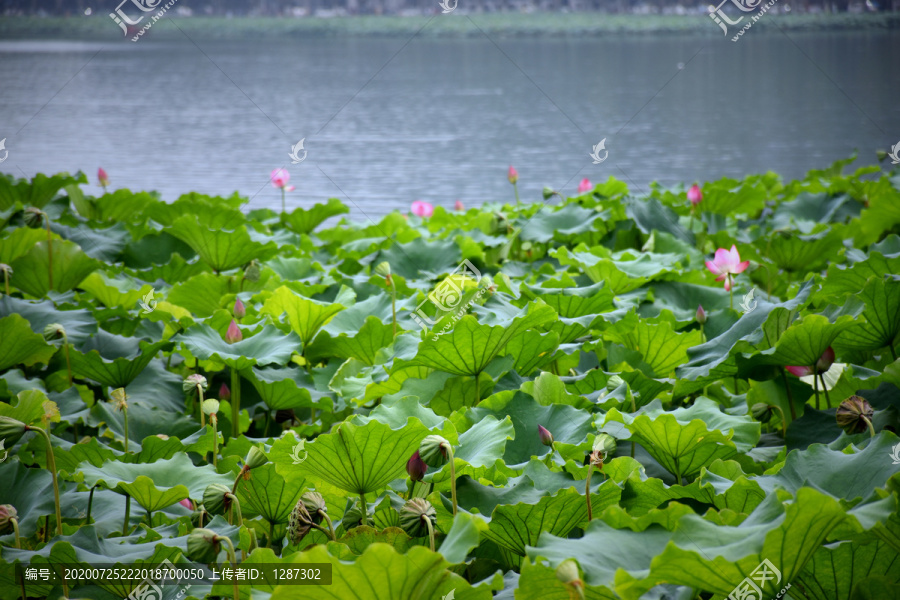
<point x="762" y="412"/>
<point x="413" y="515"/>
<point x="203" y="546"/>
<point x="34" y="217"/>
<point x="383" y="269"/>
<point x="605" y="444"/>
<point x="11" y="430"/>
<point x="251" y="273"/>
<point x="434" y="451"/>
<point x="614" y="382"/>
<point x="547" y="192"/>
<point x="210" y="406"/>
<point x="255" y="458"/>
<point x="567" y="572"/>
<point x="314" y="502"/>
<point x="299" y="523"/>
<point x="851" y="415"/>
<point x="7" y="512"/>
<point x="214" y="498"/>
<point x="54" y="331"/>
<point x="191" y="382"/>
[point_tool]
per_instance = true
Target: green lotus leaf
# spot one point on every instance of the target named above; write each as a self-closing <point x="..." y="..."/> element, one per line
<point x="287" y="388"/>
<point x="539" y="582"/>
<point x="20" y="344"/>
<point x="686" y="439"/>
<point x="882" y="317"/>
<point x="105" y="244"/>
<point x="305" y="316"/>
<point x="215" y="212"/>
<point x="372" y="337"/>
<point x="359" y="538"/>
<point x="662" y="348"/>
<point x="304" y="220"/>
<point x="37" y="192"/>
<point x="837" y="570"/>
<point x="113" y="360"/>
<point x="650" y="215"/>
<point x="70" y="267"/>
<point x="227" y="246"/>
<point x="361" y="459"/>
<point x="621" y="271"/>
<point x="268" y="346"/>
<point x="79" y="324"/>
<point x="420" y="259"/>
<point x="380" y="573"/>
<point x="479" y="448"/>
<point x="730" y="197"/>
<point x="19" y="242"/>
<point x="123" y="206"/>
<point x="268" y="494"/>
<point x="795" y="252"/>
<point x="805" y="341"/>
<point x="119" y="290"/>
<point x="572" y="302"/>
<point x="548" y="389"/>
<point x="564" y="223"/>
<point x="532" y="350"/>
<point x="462" y="538"/>
<point x="396" y="413"/>
<point x="30" y="491"/>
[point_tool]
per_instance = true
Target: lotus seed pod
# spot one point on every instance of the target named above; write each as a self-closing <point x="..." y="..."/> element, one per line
<point x="251" y="273"/>
<point x="203" y="546"/>
<point x="605" y="444"/>
<point x="314" y="502"/>
<point x="193" y="381"/>
<point x="851" y="413"/>
<point x="255" y="458"/>
<point x="434" y="451"/>
<point x="11" y="430"/>
<point x="7" y="512"/>
<point x="299" y="522"/>
<point x="210" y="406"/>
<point x="613" y="382"/>
<point x="34" y="217"/>
<point x="383" y="269"/>
<point x="567" y="572"/>
<point x="547" y="192"/>
<point x="214" y="498"/>
<point x="762" y="412"/>
<point x="413" y="515"/>
<point x="54" y="331"/>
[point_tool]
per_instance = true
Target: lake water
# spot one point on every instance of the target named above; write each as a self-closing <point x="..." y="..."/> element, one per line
<point x="388" y="121"/>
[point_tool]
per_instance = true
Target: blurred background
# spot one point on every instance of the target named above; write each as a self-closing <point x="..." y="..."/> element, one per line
<point x="397" y="100"/>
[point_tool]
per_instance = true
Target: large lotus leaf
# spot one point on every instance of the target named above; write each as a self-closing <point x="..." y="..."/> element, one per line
<point x="882" y="314"/>
<point x="304" y="220"/>
<point x="123" y="206"/>
<point x="684" y="298"/>
<point x="29" y="491"/>
<point x="805" y="341"/>
<point x="70" y="267"/>
<point x="568" y="424"/>
<point x="214" y="212"/>
<point x="361" y="459"/>
<point x="807" y="209"/>
<point x="532" y="350"/>
<point x="650" y="215"/>
<point x="383" y="574"/>
<point x="155" y="485"/>
<point x="548" y="389"/>
<point x="372" y="337"/>
<point x="842" y="281"/>
<point x="568" y="221"/>
<point x="539" y="582"/>
<point x="396" y="412"/>
<point x="269" y="495"/>
<point x="835" y="570"/>
<point x="795" y="252"/>
<point x="113" y="360"/>
<point x="572" y="302"/>
<point x="103" y="244"/>
<point x="479" y="448"/>
<point x="621" y="271"/>
<point x="304" y="315"/>
<point x="462" y="537"/>
<point x="222" y="249"/>
<point x="19" y="242"/>
<point x="200" y="294"/>
<point x="287" y="388"/>
<point x="730" y="197"/>
<point x="268" y="346"/>
<point x="661" y="347"/>
<point x="119" y="290"/>
<point x="20" y="344"/>
<point x="78" y="323"/>
<point x="37" y="192"/>
<point x="469" y="346"/>
<point x="421" y="259"/>
<point x="686" y="439"/>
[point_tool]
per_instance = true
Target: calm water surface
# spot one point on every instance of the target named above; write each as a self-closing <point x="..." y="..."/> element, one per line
<point x="388" y="121"/>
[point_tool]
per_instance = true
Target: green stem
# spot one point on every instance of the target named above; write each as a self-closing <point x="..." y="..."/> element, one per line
<point x="253" y="543"/>
<point x="6" y="280"/>
<point x="891" y="345"/>
<point x="548" y="460"/>
<point x="516" y="190"/>
<point x="49" y="253"/>
<point x="452" y="476"/>
<point x="477" y="390"/>
<point x="394" y="305"/>
<point x="90" y="505"/>
<point x="678" y="472"/>
<point x="430" y="532"/>
<point x="127" y="515"/>
<point x="150" y="517"/>
<point x="282" y="210"/>
<point x="783" y="421"/>
<point x="869" y="423"/>
<point x="816" y="386"/>
<point x="365" y="509"/>
<point x="271" y="533"/>
<point x="68" y="361"/>
<point x="587" y="491"/>
<point x="51" y="466"/>
<point x="125" y="415"/>
<point x="215" y="425"/>
<point x="235" y="402"/>
<point x="232" y="559"/>
<point x="825" y="390"/>
<point x="15" y="523"/>
<point x="787" y="387"/>
<point x="330" y="525"/>
<point x="731" y="296"/>
<point x="200" y="402"/>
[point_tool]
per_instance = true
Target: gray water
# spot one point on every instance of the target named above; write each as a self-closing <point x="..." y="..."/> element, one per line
<point x="389" y="121"/>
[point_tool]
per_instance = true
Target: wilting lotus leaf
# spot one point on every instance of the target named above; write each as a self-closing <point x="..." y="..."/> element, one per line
<point x="113" y="360"/>
<point x="269" y="346"/>
<point x="70" y="267"/>
<point x="20" y="344"/>
<point x="304" y="220"/>
<point x="305" y="316"/>
<point x="222" y="249"/>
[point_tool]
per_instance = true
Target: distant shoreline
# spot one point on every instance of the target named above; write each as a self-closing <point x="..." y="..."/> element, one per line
<point x="456" y="25"/>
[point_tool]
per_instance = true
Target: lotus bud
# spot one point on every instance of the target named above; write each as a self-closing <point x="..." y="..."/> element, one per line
<point x="224" y="392"/>
<point x="567" y="572"/>
<point x="762" y="412"/>
<point x="11" y="430"/>
<point x="7" y="512"/>
<point x="548" y="192"/>
<point x="416" y="467"/>
<point x="251" y="272"/>
<point x="239" y="309"/>
<point x="234" y="333"/>
<point x="299" y="522"/>
<point x="854" y="414"/>
<point x="214" y="498"/>
<point x="701" y="314"/>
<point x="512" y="175"/>
<point x="203" y="546"/>
<point x="825" y="361"/>
<point x="413" y="515"/>
<point x="102" y="177"/>
<point x="459" y="206"/>
<point x="799" y="371"/>
<point x="695" y="195"/>
<point x="34" y="217"/>
<point x="162" y="436"/>
<point x="192" y="382"/>
<point x="210" y="406"/>
<point x="314" y="503"/>
<point x="54" y="331"/>
<point x="255" y="458"/>
<point x="187" y="504"/>
<point x="434" y="451"/>
<point x="545" y="435"/>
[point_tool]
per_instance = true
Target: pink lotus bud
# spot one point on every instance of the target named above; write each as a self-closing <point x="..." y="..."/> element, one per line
<point x="701" y="314"/>
<point x="585" y="186"/>
<point x="545" y="435"/>
<point x="103" y="177"/>
<point x="280" y="179"/>
<point x="459" y="206"/>
<point x="234" y="333"/>
<point x="825" y="361"/>
<point x="513" y="175"/>
<point x="239" y="309"/>
<point x="187" y="504"/>
<point x="224" y="392"/>
<point x="416" y="467"/>
<point x="799" y="371"/>
<point x="695" y="195"/>
<point x="421" y="208"/>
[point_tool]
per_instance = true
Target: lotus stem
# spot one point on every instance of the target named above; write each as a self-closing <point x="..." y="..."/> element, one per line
<point x="891" y="346"/>
<point x="90" y="505"/>
<point x="869" y="424"/>
<point x="394" y="306"/>
<point x="477" y="390"/>
<point x="330" y="525"/>
<point x="51" y="466"/>
<point x="783" y="420"/>
<point x="430" y="531"/>
<point x="825" y="390"/>
<point x="235" y="508"/>
<point x="49" y="252"/>
<point x="125" y="417"/>
<point x="678" y="472"/>
<point x="253" y="543"/>
<point x="365" y="508"/>
<point x="215" y="426"/>
<point x="6" y="281"/>
<point x="15" y="525"/>
<point x="271" y="533"/>
<point x="516" y="190"/>
<point x="452" y="476"/>
<point x="587" y="491"/>
<point x="787" y="387"/>
<point x="232" y="559"/>
<point x="816" y="386"/>
<point x="150" y="517"/>
<point x="236" y="401"/>
<point x="200" y="405"/>
<point x="127" y="515"/>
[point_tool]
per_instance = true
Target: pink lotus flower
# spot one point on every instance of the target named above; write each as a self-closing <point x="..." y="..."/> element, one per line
<point x="512" y="175"/>
<point x="224" y="392"/>
<point x="234" y="333"/>
<point x="187" y="504"/>
<point x="280" y="179"/>
<point x="103" y="177"/>
<point x="822" y="365"/>
<point x="585" y="186"/>
<point x="727" y="264"/>
<point x="239" y="308"/>
<point x="459" y="206"/>
<point x="421" y="208"/>
<point x="695" y="195"/>
<point x="799" y="371"/>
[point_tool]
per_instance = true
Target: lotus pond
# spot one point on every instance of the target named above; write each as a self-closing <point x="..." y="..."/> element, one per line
<point x="683" y="394"/>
